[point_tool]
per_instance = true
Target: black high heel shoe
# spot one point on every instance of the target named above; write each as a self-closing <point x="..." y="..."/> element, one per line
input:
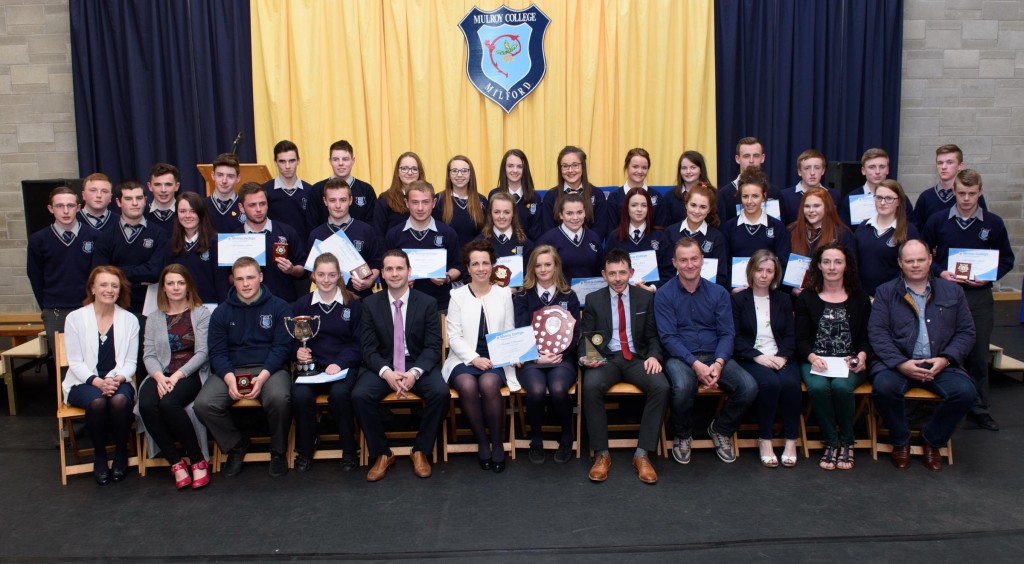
<point x="102" y="476"/>
<point x="485" y="464"/>
<point x="498" y="467"/>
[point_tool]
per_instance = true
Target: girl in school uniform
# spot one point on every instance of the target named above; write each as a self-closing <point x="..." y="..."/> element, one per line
<point x="636" y="233"/>
<point x="690" y="171"/>
<point x="502" y="230"/>
<point x="817" y="223"/>
<point x="390" y="209"/>
<point x="579" y="247"/>
<point x="878" y="239"/>
<point x="572" y="180"/>
<point x="637" y="165"/>
<point x="753" y="229"/>
<point x="194" y="246"/>
<point x="515" y="178"/>
<point x="701" y="224"/>
<point x="460" y="205"/>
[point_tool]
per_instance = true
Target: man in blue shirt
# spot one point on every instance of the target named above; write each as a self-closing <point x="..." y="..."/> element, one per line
<point x="695" y="323"/>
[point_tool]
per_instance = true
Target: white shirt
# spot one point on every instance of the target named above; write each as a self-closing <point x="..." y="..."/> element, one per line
<point x="703" y="229"/>
<point x="570" y="233"/>
<point x="764" y="339"/>
<point x="268" y="227"/>
<point x="336" y="298"/>
<point x="280" y="185"/>
<point x="507" y="234"/>
<point x="540" y="291"/>
<point x="405" y="311"/>
<point x="741" y="219"/>
<point x="431" y="226"/>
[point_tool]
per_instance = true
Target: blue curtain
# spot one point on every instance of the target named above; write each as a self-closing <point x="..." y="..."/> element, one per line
<point x="802" y="74"/>
<point x="159" y="81"/>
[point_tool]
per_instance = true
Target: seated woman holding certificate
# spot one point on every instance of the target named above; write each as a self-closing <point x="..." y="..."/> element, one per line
<point x="832" y="325"/>
<point x="333" y="348"/>
<point x="102" y="343"/>
<point x="476" y="309"/>
<point x="176" y="359"/>
<point x="552" y="375"/>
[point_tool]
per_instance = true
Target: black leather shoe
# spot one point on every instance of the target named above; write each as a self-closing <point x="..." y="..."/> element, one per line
<point x="984" y="421"/>
<point x="236" y="457"/>
<point x="102" y="477"/>
<point x="498" y="467"/>
<point x="485" y="464"/>
<point x="303" y="464"/>
<point x="349" y="463"/>
<point x="279" y="466"/>
<point x="537" y="455"/>
<point x="118" y="474"/>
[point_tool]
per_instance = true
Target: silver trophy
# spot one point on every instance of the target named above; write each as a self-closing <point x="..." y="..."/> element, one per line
<point x="303" y="332"/>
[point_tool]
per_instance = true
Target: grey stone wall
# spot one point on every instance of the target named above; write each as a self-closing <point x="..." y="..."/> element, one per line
<point x="963" y="83"/>
<point x="37" y="124"/>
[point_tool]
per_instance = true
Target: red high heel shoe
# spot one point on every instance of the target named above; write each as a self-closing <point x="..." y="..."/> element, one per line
<point x="200" y="481"/>
<point x="181" y="467"/>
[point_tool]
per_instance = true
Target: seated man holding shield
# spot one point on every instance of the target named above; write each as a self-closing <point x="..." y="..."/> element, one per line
<point x="249" y="354"/>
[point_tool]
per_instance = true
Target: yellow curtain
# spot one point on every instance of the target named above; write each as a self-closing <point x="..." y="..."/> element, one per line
<point x="390" y="76"/>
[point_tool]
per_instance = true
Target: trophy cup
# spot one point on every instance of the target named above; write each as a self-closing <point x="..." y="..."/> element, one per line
<point x="552" y="326"/>
<point x="588" y="346"/>
<point x="302" y="331"/>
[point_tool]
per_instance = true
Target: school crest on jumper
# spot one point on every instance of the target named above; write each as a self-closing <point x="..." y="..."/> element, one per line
<point x="505" y="52"/>
<point x="266" y="321"/>
<point x="360" y="201"/>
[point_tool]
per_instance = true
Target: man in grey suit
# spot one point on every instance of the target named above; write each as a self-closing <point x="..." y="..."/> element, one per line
<point x="618" y="321"/>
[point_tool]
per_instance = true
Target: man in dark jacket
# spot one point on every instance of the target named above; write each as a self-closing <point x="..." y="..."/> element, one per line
<point x="921" y="351"/>
<point x="249" y="356"/>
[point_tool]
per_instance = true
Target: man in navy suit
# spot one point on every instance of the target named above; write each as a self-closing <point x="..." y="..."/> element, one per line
<point x="416" y="368"/>
<point x="619" y="322"/>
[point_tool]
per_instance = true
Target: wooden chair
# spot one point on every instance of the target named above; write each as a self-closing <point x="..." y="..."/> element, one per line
<point x="625" y="389"/>
<point x="146" y="442"/>
<point x="524" y="440"/>
<point x="862" y="395"/>
<point x="397" y="405"/>
<point x="668" y="439"/>
<point x="66" y="414"/>
<point x="218" y="458"/>
<point x="917" y="394"/>
<point x="320" y="454"/>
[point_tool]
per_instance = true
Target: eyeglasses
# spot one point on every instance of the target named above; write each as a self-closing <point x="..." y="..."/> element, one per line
<point x="408" y="169"/>
<point x="571" y="166"/>
<point x="459" y="171"/>
<point x="63" y="207"/>
<point x="885" y="199"/>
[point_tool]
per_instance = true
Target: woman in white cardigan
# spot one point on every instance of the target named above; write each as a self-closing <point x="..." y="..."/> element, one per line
<point x="476" y="309"/>
<point x="175" y="354"/>
<point x="102" y="344"/>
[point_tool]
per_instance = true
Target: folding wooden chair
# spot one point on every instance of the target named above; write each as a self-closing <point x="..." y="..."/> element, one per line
<point x="916" y="394"/>
<point x="862" y="395"/>
<point x="668" y="439"/>
<point x="452" y="444"/>
<point x="625" y="389"/>
<point x="218" y="458"/>
<point x="522" y="439"/>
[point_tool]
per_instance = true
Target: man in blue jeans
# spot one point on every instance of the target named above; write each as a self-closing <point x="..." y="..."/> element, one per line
<point x="694" y="318"/>
<point x="921" y="351"/>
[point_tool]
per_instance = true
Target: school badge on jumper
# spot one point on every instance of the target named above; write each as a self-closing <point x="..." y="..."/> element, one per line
<point x="706" y="247"/>
<point x="983" y="234"/>
<point x="505" y="52"/>
<point x="360" y="201"/>
<point x="266" y="321"/>
<point x="439" y="241"/>
<point x="87" y="247"/>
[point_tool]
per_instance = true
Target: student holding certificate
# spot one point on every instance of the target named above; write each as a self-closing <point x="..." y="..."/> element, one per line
<point x="636" y="233"/>
<point x="968" y="226"/>
<point x="334" y="348"/>
<point x="544" y="286"/>
<point x="878" y="239"/>
<point x="337" y="199"/>
<point x="753" y="229"/>
<point x="832" y="321"/>
<point x="701" y="225"/>
<point x="476" y="309"/>
<point x="515" y="179"/>
<point x="816" y="224"/>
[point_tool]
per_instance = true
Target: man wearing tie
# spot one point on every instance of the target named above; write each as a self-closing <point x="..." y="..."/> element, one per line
<point x="618" y="321"/>
<point x="398" y="361"/>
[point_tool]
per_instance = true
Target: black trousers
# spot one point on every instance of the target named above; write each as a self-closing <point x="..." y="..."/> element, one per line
<point x="166" y="419"/>
<point x="371" y="388"/>
<point x="596" y="382"/>
<point x="339" y="398"/>
<point x="983" y="312"/>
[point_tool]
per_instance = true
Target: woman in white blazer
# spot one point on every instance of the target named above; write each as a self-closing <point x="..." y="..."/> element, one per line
<point x="476" y="309"/>
<point x="102" y="344"/>
<point x="175" y="354"/>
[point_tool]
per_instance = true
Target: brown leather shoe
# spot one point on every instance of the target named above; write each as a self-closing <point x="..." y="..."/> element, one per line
<point x="420" y="466"/>
<point x="599" y="471"/>
<point x="380" y="468"/>
<point x="644" y="470"/>
<point x="901" y="456"/>
<point x="932" y="458"/>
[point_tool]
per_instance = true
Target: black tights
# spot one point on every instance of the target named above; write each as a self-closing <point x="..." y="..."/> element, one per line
<point x="538" y="380"/>
<point x="104" y="416"/>
<point x="480" y="398"/>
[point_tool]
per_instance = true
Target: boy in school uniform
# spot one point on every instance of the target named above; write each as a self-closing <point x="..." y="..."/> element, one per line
<point x="949" y="160"/>
<point x="874" y="165"/>
<point x="337" y="199"/>
<point x="364" y="197"/>
<point x="281" y="271"/>
<point x="222" y="204"/>
<point x="810" y="167"/>
<point x="288" y="195"/>
<point x="749" y="153"/>
<point x="163" y="185"/>
<point x="97" y="192"/>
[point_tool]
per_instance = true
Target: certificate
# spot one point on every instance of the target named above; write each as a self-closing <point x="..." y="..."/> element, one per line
<point x="796" y="270"/>
<point x="709" y="271"/>
<point x="584" y="286"/>
<point x="233" y="246"/>
<point x="980" y="265"/>
<point x="149" y="306"/>
<point x="739" y="272"/>
<point x="645" y="266"/>
<point x="349" y="258"/>
<point x="427" y="263"/>
<point x="837" y="367"/>
<point x="322" y="378"/>
<point x="862" y="207"/>
<point x="514" y="263"/>
<point x="771" y="206"/>
<point x="512" y="346"/>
